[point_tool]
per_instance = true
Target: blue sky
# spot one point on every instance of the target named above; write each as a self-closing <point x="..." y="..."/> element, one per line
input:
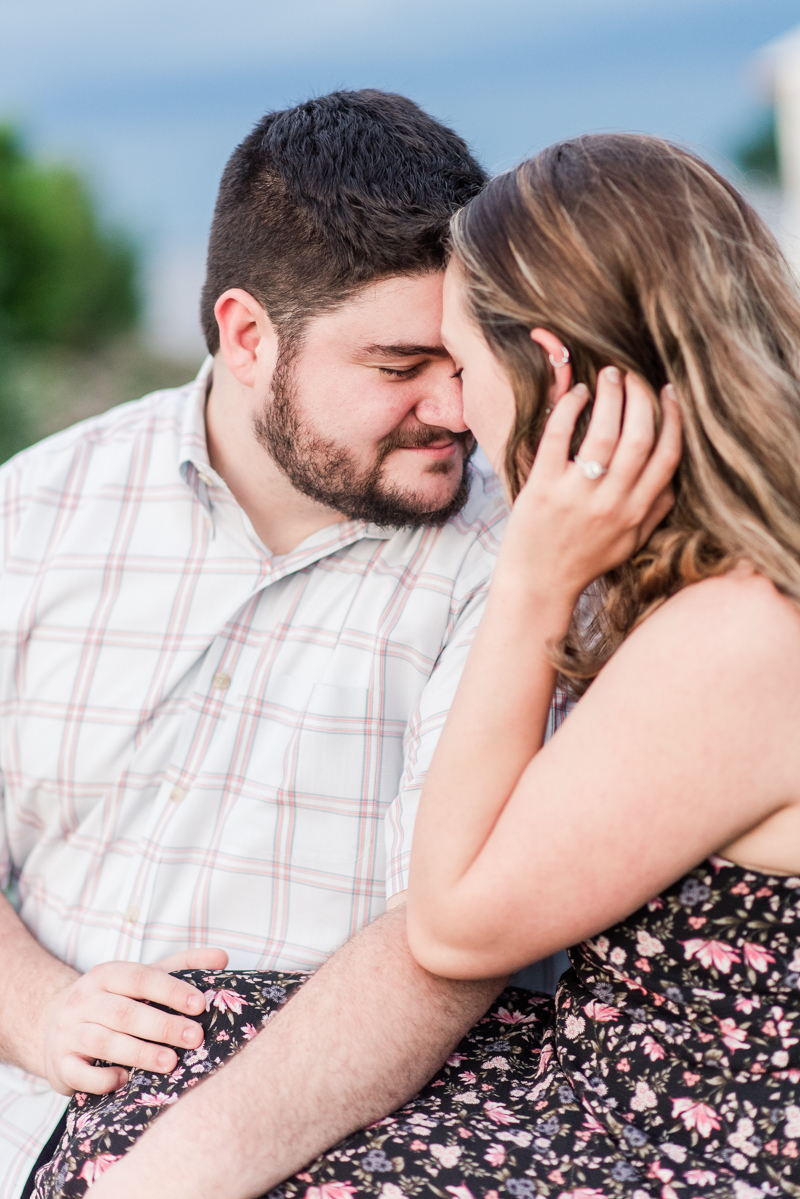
<point x="150" y="96"/>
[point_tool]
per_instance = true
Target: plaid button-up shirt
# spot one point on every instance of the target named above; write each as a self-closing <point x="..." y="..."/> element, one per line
<point x="203" y="743"/>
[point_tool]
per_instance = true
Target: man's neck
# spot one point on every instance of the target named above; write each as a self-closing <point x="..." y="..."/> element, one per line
<point x="281" y="516"/>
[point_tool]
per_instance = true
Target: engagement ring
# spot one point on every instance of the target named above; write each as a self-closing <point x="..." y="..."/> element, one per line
<point x="592" y="470"/>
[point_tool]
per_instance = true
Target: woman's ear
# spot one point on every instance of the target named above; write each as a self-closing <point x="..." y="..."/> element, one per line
<point x="558" y="354"/>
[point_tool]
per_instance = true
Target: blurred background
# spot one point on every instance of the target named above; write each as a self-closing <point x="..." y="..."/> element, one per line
<point x="117" y="120"/>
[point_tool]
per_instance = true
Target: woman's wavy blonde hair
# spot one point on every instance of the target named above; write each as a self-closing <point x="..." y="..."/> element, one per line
<point x="638" y="254"/>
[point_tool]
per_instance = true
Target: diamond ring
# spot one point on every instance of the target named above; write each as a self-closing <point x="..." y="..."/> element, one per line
<point x="592" y="470"/>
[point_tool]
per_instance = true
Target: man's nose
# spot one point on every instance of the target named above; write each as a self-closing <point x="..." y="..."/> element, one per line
<point x="442" y="404"/>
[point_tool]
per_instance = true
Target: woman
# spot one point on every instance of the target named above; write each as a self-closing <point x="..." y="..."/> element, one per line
<point x="659" y="830"/>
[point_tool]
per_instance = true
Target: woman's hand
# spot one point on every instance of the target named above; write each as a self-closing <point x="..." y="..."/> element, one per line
<point x="100" y="1016"/>
<point x="566" y="529"/>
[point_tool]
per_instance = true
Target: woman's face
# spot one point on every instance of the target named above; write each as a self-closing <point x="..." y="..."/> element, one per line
<point x="487" y="395"/>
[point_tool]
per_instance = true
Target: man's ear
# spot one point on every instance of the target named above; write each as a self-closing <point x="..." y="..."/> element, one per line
<point x="557" y="353"/>
<point x="247" y="338"/>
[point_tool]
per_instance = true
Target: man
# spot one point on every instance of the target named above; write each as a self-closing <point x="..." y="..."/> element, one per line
<point x="234" y="617"/>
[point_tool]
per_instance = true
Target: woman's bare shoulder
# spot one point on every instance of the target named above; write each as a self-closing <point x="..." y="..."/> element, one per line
<point x="741" y="611"/>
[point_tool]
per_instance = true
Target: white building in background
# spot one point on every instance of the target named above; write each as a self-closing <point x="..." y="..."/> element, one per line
<point x="778" y="68"/>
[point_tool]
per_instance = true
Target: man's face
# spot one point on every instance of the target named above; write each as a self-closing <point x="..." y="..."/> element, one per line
<point x="364" y="415"/>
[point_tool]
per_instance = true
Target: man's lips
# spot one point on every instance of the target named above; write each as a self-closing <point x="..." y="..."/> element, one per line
<point x="438" y="449"/>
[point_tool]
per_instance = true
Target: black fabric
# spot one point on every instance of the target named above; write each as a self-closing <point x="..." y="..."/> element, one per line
<point x="45" y="1155"/>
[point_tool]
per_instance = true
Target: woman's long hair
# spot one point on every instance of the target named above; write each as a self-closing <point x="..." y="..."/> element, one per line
<point x="638" y="254"/>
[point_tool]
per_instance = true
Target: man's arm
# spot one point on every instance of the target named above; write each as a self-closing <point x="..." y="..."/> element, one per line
<point x="356" y="1041"/>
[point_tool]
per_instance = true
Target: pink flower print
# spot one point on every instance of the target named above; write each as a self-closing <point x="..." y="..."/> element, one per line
<point x="468" y="1076"/>
<point x="624" y="1065"/>
<point x="465" y="1133"/>
<point x="602" y="1012"/>
<point x="740" y="889"/>
<point x="690" y="1079"/>
<point x="495" y="1155"/>
<point x="418" y="1145"/>
<point x="455" y="1059"/>
<point x="226" y="1001"/>
<point x="747" y="1003"/>
<point x="653" y="905"/>
<point x="98" y="1165"/>
<point x="507" y="1017"/>
<point x="591" y="1123"/>
<point x="446" y="1155"/>
<point x="697" y="921"/>
<point x="642" y="964"/>
<point x="700" y="1178"/>
<point x="757" y="957"/>
<point x="222" y="1035"/>
<point x="499" y="1112"/>
<point x="462" y="1192"/>
<point x="331" y="1190"/>
<point x="644" y="1097"/>
<point x="733" y="1036"/>
<point x="390" y="1190"/>
<point x="556" y="1176"/>
<point x="544" y="1059"/>
<point x="155" y="1100"/>
<point x="651" y="1047"/>
<point x="718" y="954"/>
<point x="249" y="1032"/>
<point x="763" y="892"/>
<point x="696" y="1115"/>
<point x="491" y="1195"/>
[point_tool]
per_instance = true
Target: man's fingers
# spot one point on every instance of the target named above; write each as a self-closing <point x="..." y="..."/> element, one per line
<point x="208" y="958"/>
<point x="81" y="1075"/>
<point x="146" y="1023"/>
<point x="150" y="982"/>
<point x="94" y="1041"/>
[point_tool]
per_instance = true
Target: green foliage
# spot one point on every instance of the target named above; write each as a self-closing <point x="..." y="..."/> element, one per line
<point x="64" y="280"/>
<point x="759" y="152"/>
<point x="66" y="284"/>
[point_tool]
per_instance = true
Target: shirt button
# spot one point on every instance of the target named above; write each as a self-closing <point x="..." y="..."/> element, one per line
<point x="221" y="681"/>
<point x="132" y="914"/>
<point x="177" y="794"/>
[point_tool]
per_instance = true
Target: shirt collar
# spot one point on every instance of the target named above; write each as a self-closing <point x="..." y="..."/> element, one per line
<point x="198" y="474"/>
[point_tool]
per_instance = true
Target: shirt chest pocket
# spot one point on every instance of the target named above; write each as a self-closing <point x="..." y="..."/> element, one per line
<point x="326" y="765"/>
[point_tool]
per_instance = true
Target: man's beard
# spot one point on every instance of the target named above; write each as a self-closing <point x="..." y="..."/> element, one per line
<point x="326" y="473"/>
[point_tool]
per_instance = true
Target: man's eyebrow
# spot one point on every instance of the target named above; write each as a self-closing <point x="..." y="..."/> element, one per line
<point x="404" y="350"/>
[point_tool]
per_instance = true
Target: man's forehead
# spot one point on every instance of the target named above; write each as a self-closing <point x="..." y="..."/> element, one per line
<point x="399" y="317"/>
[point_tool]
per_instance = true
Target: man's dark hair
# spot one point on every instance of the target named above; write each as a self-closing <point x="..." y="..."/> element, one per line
<point x="324" y="198"/>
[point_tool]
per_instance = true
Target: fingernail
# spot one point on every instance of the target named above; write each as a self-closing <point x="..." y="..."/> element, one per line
<point x="189" y="1035"/>
<point x="612" y="374"/>
<point x="122" y="1079"/>
<point x="165" y="1061"/>
<point x="581" y="389"/>
<point x="195" y="1003"/>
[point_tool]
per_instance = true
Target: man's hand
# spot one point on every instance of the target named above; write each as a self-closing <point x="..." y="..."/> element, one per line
<point x="100" y="1015"/>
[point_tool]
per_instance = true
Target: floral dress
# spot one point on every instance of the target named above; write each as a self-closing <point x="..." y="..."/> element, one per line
<point x="667" y="1066"/>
